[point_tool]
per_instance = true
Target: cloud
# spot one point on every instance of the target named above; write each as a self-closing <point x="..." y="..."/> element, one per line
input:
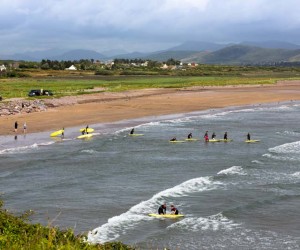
<point x="69" y="23"/>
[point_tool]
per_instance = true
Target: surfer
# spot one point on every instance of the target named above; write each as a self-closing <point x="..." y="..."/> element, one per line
<point x="174" y="210"/>
<point x="173" y="139"/>
<point x="206" y="136"/>
<point x="248" y="137"/>
<point x="63" y="133"/>
<point x="162" y="209"/>
<point x="190" y="136"/>
<point x="213" y="136"/>
<point x="225" y="136"/>
<point x="86" y="129"/>
<point x="132" y="131"/>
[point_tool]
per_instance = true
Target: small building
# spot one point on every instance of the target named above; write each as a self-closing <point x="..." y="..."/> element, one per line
<point x="72" y="67"/>
<point x="2" y="68"/>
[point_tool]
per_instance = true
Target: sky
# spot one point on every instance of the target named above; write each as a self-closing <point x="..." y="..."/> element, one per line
<point x="142" y="25"/>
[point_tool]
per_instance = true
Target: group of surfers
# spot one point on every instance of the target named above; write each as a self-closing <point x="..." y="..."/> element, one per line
<point x="163" y="209"/>
<point x="213" y="136"/>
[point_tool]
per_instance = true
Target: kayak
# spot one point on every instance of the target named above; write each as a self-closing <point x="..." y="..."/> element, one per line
<point x="170" y="216"/>
<point x="89" y="130"/>
<point x="252" y="141"/>
<point x="57" y="133"/>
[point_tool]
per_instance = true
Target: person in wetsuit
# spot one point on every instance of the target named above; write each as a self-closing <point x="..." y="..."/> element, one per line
<point x="225" y="136"/>
<point x="132" y="131"/>
<point x="213" y="136"/>
<point x="248" y="137"/>
<point x="190" y="136"/>
<point x="173" y="139"/>
<point x="174" y="210"/>
<point x="162" y="209"/>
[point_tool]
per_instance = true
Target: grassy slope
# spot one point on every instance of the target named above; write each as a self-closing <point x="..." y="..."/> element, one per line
<point x="17" y="233"/>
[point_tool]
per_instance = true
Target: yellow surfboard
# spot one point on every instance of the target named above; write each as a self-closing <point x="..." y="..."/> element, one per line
<point x="169" y="216"/>
<point x="57" y="133"/>
<point x="89" y="130"/>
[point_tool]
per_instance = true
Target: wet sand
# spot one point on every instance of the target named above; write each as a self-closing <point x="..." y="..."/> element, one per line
<point x="111" y="107"/>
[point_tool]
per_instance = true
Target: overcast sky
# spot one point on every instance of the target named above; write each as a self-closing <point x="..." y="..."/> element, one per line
<point x="142" y="25"/>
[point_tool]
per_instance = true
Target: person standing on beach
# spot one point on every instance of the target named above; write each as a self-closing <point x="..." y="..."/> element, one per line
<point x="16" y="127"/>
<point x="24" y="128"/>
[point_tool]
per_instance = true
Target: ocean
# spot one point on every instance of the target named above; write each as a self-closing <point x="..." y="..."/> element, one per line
<point x="234" y="195"/>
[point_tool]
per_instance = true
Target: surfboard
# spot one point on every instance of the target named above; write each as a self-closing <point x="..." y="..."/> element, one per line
<point x="169" y="216"/>
<point x="214" y="140"/>
<point x="177" y="141"/>
<point x="84" y="136"/>
<point x="89" y="130"/>
<point x="191" y="139"/>
<point x="136" y="134"/>
<point x="57" y="133"/>
<point x="224" y="140"/>
<point x="252" y="141"/>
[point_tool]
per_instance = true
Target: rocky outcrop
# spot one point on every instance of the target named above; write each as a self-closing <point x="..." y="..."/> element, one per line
<point x="21" y="106"/>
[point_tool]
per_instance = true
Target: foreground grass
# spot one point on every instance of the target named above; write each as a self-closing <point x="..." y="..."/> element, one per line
<point x="17" y="233"/>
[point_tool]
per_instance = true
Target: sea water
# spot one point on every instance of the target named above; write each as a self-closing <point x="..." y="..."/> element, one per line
<point x="234" y="195"/>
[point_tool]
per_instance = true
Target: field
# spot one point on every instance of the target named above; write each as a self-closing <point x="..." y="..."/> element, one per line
<point x="63" y="83"/>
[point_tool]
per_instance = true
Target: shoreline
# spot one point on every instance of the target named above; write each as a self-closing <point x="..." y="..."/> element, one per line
<point x="113" y="107"/>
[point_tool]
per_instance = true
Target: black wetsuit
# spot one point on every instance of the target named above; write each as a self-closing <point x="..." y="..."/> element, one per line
<point x="225" y="136"/>
<point x="132" y="131"/>
<point x="162" y="209"/>
<point x="248" y="137"/>
<point x="190" y="135"/>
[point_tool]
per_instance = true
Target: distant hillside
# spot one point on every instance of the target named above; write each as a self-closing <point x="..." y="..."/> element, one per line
<point x="240" y="54"/>
<point x="272" y="45"/>
<point x="79" y="54"/>
<point x="198" y="46"/>
<point x="165" y="55"/>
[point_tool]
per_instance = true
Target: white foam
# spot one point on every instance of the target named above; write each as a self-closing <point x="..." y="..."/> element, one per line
<point x="257" y="162"/>
<point x="235" y="170"/>
<point x="213" y="223"/>
<point x="18" y="149"/>
<point x="89" y="151"/>
<point x="5" y="174"/>
<point x="119" y="224"/>
<point x="281" y="158"/>
<point x="297" y="174"/>
<point x="293" y="147"/>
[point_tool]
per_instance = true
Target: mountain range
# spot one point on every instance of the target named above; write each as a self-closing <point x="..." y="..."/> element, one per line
<point x="190" y="51"/>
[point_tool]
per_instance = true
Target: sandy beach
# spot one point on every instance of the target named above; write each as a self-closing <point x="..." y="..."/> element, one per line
<point x="109" y="107"/>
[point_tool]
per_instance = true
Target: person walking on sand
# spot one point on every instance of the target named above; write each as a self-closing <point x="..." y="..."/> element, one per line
<point x="16" y="127"/>
<point x="24" y="128"/>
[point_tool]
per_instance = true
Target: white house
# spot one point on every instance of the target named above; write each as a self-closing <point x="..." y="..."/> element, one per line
<point x="72" y="67"/>
<point x="2" y="68"/>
